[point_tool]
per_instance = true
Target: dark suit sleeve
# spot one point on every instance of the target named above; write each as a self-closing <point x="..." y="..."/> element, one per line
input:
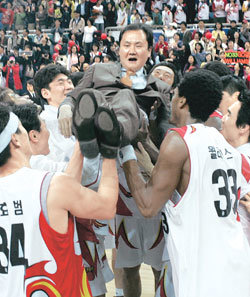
<point x="163" y="112"/>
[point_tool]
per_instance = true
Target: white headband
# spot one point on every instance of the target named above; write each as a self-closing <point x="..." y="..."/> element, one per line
<point x="11" y="128"/>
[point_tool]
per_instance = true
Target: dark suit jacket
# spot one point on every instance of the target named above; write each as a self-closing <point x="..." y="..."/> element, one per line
<point x="87" y="10"/>
<point x="106" y="78"/>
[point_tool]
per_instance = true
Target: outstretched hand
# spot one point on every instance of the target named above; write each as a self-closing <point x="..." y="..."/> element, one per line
<point x="65" y="120"/>
<point x="143" y="159"/>
<point x="246" y="202"/>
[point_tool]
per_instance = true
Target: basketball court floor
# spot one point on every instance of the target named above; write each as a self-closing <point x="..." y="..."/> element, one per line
<point x="146" y="277"/>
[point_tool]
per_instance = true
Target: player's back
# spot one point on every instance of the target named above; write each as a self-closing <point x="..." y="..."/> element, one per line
<point x="20" y="208"/>
<point x="208" y="250"/>
<point x="34" y="257"/>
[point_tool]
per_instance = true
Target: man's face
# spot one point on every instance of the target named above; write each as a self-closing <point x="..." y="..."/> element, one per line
<point x="85" y="66"/>
<point x="44" y="139"/>
<point x="30" y="88"/>
<point x="226" y="101"/>
<point x="134" y="50"/>
<point x="175" y="112"/>
<point x="201" y="25"/>
<point x="229" y="129"/>
<point x="24" y="141"/>
<point x="165" y="74"/>
<point x="183" y="27"/>
<point x="58" y="89"/>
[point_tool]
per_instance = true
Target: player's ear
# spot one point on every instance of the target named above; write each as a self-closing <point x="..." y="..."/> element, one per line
<point x="245" y="130"/>
<point x="45" y="93"/>
<point x="182" y="102"/>
<point x="33" y="136"/>
<point x="15" y="141"/>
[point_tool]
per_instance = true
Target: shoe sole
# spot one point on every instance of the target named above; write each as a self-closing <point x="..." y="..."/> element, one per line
<point x="104" y="122"/>
<point x="85" y="111"/>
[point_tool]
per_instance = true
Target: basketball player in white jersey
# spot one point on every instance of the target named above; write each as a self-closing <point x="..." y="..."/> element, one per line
<point x="232" y="86"/>
<point x="198" y="178"/>
<point x="40" y="254"/>
<point x="94" y="258"/>
<point x="236" y="130"/>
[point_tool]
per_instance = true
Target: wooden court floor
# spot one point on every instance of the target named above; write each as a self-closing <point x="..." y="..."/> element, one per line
<point x="147" y="279"/>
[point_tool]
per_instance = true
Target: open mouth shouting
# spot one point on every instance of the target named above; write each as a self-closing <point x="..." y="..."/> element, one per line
<point x="132" y="59"/>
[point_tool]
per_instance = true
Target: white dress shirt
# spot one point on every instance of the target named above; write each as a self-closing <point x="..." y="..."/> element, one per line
<point x="139" y="80"/>
<point x="61" y="148"/>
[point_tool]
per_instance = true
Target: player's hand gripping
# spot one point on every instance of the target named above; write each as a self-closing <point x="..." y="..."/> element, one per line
<point x="65" y="120"/>
<point x="246" y="202"/>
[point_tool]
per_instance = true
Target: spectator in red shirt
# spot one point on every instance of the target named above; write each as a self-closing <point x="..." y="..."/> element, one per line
<point x="162" y="44"/>
<point x="7" y="17"/>
<point x="12" y="71"/>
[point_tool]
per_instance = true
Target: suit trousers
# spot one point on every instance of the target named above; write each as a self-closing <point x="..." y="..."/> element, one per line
<point x="125" y="107"/>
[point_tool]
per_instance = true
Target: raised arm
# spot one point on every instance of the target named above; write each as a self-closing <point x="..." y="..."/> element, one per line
<point x="74" y="167"/>
<point x="168" y="174"/>
<point x="66" y="195"/>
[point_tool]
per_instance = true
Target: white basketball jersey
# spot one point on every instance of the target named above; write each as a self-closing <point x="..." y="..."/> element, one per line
<point x="14" y="206"/>
<point x="34" y="258"/>
<point x="208" y="250"/>
<point x="244" y="215"/>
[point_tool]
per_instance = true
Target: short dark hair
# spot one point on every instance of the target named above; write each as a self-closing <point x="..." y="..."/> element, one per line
<point x="232" y="84"/>
<point x="28" y="115"/>
<point x="76" y="77"/>
<point x="135" y="27"/>
<point x="221" y="25"/>
<point x="217" y="67"/>
<point x="6" y="96"/>
<point x="4" y="118"/>
<point x="46" y="75"/>
<point x="243" y="117"/>
<point x="203" y="92"/>
<point x="183" y="23"/>
<point x="91" y="20"/>
<point x="30" y="82"/>
<point x="108" y="57"/>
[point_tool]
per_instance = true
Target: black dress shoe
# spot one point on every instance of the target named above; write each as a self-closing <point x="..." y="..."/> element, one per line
<point x="83" y="122"/>
<point x="108" y="132"/>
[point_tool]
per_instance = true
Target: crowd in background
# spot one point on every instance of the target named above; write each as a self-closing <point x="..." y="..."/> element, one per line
<point x="77" y="37"/>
